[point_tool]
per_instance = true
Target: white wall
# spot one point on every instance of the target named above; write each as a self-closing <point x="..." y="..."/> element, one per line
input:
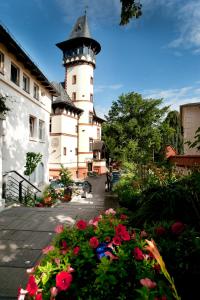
<point x="16" y="141"/>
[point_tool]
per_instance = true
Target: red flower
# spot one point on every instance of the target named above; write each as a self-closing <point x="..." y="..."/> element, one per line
<point x="63" y="280"/>
<point x="177" y="227"/>
<point x="138" y="254"/>
<point x="76" y="250"/>
<point x="81" y="224"/>
<point x="120" y="229"/>
<point x="117" y="240"/>
<point x="157" y="268"/>
<point x="125" y="236"/>
<point x="38" y="297"/>
<point x="31" y="286"/>
<point x="123" y="217"/>
<point x="94" y="242"/>
<point x="64" y="245"/>
<point x="160" y="230"/>
<point x="107" y="239"/>
<point x="148" y="283"/>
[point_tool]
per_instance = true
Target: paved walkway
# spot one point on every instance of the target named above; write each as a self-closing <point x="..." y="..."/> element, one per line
<point x="25" y="231"/>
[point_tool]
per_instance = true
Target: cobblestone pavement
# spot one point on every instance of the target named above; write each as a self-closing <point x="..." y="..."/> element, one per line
<point x="25" y="231"/>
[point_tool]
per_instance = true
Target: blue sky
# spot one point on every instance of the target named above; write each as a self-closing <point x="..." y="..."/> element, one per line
<point x="157" y="55"/>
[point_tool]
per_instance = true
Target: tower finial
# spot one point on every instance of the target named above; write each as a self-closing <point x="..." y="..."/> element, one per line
<point x="86" y="8"/>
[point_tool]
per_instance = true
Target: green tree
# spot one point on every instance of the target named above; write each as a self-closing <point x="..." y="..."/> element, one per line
<point x="130" y="9"/>
<point x="65" y="176"/>
<point x="3" y="107"/>
<point x="196" y="142"/>
<point x="132" y="132"/>
<point x="32" y="160"/>
<point x="172" y="132"/>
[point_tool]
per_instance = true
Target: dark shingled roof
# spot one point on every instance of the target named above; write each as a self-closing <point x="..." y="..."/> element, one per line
<point x="81" y="28"/>
<point x="63" y="98"/>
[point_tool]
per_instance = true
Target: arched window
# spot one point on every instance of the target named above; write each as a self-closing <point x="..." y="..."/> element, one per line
<point x="40" y="173"/>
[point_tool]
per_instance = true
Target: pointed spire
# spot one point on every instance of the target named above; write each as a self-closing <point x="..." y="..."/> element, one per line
<point x="81" y="28"/>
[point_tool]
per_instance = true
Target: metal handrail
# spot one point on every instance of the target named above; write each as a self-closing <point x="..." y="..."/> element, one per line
<point x="13" y="171"/>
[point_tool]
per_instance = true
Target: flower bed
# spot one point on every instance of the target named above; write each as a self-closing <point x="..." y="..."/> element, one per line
<point x="97" y="259"/>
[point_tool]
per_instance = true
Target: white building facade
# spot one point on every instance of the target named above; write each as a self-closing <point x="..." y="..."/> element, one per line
<point x="29" y="97"/>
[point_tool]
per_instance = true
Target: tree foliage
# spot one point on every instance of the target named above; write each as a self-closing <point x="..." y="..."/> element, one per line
<point x="172" y="132"/>
<point x="32" y="160"/>
<point x="65" y="176"/>
<point x="132" y="132"/>
<point x="130" y="9"/>
<point x="3" y="107"/>
<point x="196" y="142"/>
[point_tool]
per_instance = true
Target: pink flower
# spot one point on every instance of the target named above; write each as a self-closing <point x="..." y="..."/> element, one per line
<point x="70" y="269"/>
<point x="59" y="228"/>
<point x="143" y="234"/>
<point x="53" y="291"/>
<point x="76" y="250"/>
<point x="138" y="254"/>
<point x="177" y="228"/>
<point x="160" y="230"/>
<point x="148" y="283"/>
<point x="38" y="296"/>
<point x="21" y="294"/>
<point x="63" y="280"/>
<point x="123" y="217"/>
<point x="30" y="270"/>
<point x="117" y="240"/>
<point x="81" y="224"/>
<point x="31" y="286"/>
<point x="57" y="261"/>
<point x="48" y="249"/>
<point x="110" y="211"/>
<point x="94" y="242"/>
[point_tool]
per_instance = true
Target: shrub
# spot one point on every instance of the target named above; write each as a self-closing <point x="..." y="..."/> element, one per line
<point x="102" y="258"/>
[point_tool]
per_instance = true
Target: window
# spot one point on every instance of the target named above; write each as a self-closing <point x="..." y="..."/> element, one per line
<point x="32" y="126"/>
<point x="64" y="151"/>
<point x="1" y="62"/>
<point x="90" y="118"/>
<point x="14" y="74"/>
<point x="91" y="80"/>
<point x="73" y="96"/>
<point x="90" y="144"/>
<point x="36" y="91"/>
<point x="74" y="79"/>
<point x="50" y="124"/>
<point x="76" y="151"/>
<point x="91" y="97"/>
<point x="98" y="133"/>
<point x="26" y="83"/>
<point x="41" y="130"/>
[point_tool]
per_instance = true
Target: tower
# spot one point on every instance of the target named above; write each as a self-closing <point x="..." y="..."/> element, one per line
<point x="79" y="52"/>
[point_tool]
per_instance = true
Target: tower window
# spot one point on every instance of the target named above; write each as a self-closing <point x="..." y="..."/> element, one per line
<point x="91" y="97"/>
<point x="90" y="144"/>
<point x="90" y="118"/>
<point x="14" y="75"/>
<point x="98" y="133"/>
<point x="91" y="80"/>
<point x="65" y="151"/>
<point x="74" y="79"/>
<point x="73" y="96"/>
<point x="50" y="125"/>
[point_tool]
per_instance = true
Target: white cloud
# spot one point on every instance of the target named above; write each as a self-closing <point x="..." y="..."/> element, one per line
<point x="102" y="88"/>
<point x="175" y="97"/>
